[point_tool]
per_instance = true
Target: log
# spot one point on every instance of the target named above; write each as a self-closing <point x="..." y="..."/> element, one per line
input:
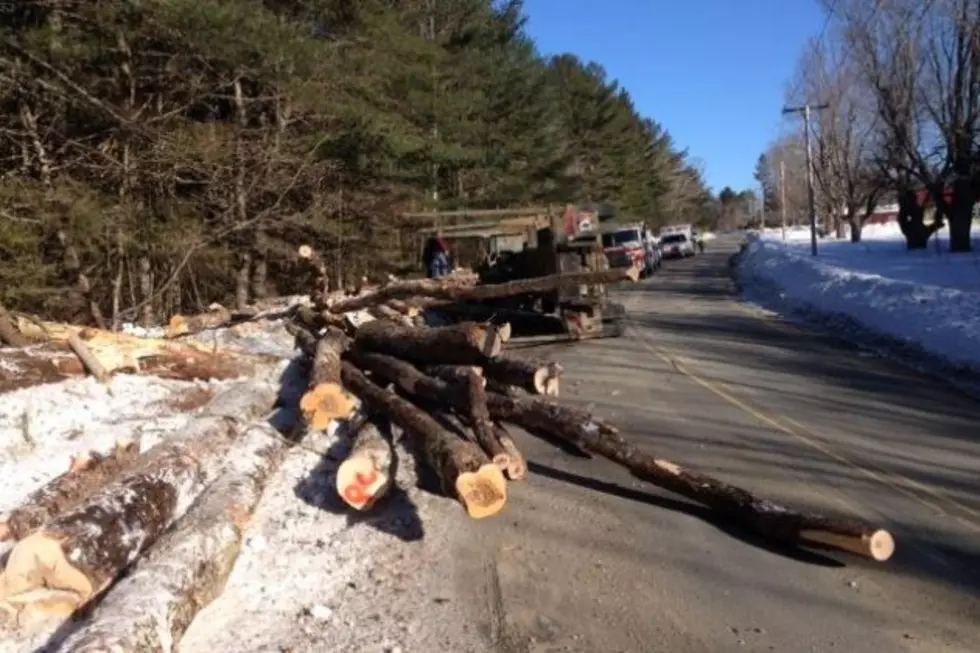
<point x="82" y="551"/>
<point x="405" y="307"/>
<point x="516" y="463"/>
<point x="452" y="290"/>
<point x="88" y="359"/>
<point x="479" y="418"/>
<point x="151" y="608"/>
<point x="582" y="430"/>
<point x="455" y="373"/>
<point x="535" y="376"/>
<point x="366" y="474"/>
<point x="327" y="400"/>
<point x="180" y="325"/>
<point x="383" y="311"/>
<point x="85" y="475"/>
<point x="466" y="343"/>
<point x="9" y="335"/>
<point x="463" y="469"/>
<point x="167" y="358"/>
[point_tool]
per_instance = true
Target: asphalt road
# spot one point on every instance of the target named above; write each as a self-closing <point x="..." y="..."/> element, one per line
<point x="587" y="559"/>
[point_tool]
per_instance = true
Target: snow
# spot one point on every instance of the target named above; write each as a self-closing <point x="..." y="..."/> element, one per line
<point x="311" y="576"/>
<point x="928" y="301"/>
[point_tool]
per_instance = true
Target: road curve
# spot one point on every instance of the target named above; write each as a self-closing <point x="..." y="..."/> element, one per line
<point x="587" y="559"/>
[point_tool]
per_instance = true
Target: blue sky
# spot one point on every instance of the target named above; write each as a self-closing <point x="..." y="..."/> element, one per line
<point x="712" y="72"/>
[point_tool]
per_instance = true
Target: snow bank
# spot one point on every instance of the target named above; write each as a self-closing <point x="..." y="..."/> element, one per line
<point x="928" y="299"/>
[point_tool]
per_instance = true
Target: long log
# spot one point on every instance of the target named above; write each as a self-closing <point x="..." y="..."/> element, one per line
<point x="455" y="373"/>
<point x="533" y="375"/>
<point x="479" y="419"/>
<point x="516" y="468"/>
<point x="366" y="474"/>
<point x="456" y="291"/>
<point x="327" y="400"/>
<point x="589" y="433"/>
<point x="466" y="343"/>
<point x="86" y="474"/>
<point x="150" y="609"/>
<point x="180" y="325"/>
<point x="81" y="552"/>
<point x="464" y="470"/>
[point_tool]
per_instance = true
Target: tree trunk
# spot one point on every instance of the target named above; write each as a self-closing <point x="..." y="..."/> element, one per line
<point x="327" y="400"/>
<point x="151" y="608"/>
<point x="82" y="551"/>
<point x="86" y="474"/>
<point x="961" y="216"/>
<point x="462" y="467"/>
<point x="366" y="474"/>
<point x="911" y="220"/>
<point x="857" y="225"/>
<point x="535" y="376"/>
<point x="147" y="315"/>
<point x="260" y="271"/>
<point x="447" y="289"/>
<point x="466" y="343"/>
<point x="243" y="280"/>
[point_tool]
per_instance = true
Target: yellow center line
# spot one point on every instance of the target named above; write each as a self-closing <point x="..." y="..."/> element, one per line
<point x="779" y="423"/>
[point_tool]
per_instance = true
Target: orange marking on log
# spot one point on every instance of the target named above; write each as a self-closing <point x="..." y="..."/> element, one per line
<point x="355" y="493"/>
<point x="366" y="480"/>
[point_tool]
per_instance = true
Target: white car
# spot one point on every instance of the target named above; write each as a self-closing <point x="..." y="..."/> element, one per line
<point x="676" y="245"/>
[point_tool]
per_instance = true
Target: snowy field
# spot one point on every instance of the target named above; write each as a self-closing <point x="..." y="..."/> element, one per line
<point x="928" y="301"/>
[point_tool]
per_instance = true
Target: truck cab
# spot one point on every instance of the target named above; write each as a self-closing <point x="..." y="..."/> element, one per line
<point x="625" y="246"/>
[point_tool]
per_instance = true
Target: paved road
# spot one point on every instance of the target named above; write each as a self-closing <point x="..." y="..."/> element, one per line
<point x="588" y="559"/>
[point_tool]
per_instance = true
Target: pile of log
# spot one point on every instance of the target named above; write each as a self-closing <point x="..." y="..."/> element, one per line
<point x="456" y="392"/>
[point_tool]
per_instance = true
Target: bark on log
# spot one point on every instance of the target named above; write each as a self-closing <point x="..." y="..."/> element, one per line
<point x="516" y="463"/>
<point x="455" y="373"/>
<point x="586" y="432"/>
<point x="466" y="343"/>
<point x="456" y="291"/>
<point x="89" y="360"/>
<point x="9" y="335"/>
<point x="150" y="609"/>
<point x="85" y="476"/>
<point x="463" y="468"/>
<point x="327" y="400"/>
<point x="535" y="376"/>
<point x="181" y="325"/>
<point x="382" y="311"/>
<point x="81" y="552"/>
<point x="365" y="475"/>
<point x="479" y="419"/>
<point x="321" y="285"/>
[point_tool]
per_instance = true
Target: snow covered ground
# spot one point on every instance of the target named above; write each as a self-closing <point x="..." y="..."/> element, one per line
<point x="928" y="302"/>
<point x="311" y="576"/>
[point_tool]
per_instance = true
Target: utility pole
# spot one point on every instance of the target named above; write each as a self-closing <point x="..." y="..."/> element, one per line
<point x="782" y="196"/>
<point x="806" y="109"/>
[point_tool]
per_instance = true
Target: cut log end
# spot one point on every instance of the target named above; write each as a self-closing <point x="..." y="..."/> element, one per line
<point x="484" y="492"/>
<point x="305" y="251"/>
<point x="177" y="327"/>
<point x="324" y="403"/>
<point x="505" y="332"/>
<point x="879" y="545"/>
<point x="634" y="273"/>
<point x="359" y="483"/>
<point x="38" y="562"/>
<point x="492" y="343"/>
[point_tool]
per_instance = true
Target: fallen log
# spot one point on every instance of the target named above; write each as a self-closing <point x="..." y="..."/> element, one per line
<point x="584" y="431"/>
<point x="463" y="469"/>
<point x="327" y="400"/>
<point x="455" y="290"/>
<point x="82" y="551"/>
<point x="466" y="343"/>
<point x="516" y="468"/>
<point x="150" y="609"/>
<point x="180" y="325"/>
<point x="9" y="335"/>
<point x="365" y="475"/>
<point x="383" y="311"/>
<point x="533" y="375"/>
<point x="479" y="418"/>
<point x="86" y="474"/>
<point x="88" y="359"/>
<point x="166" y="358"/>
<point x="455" y="373"/>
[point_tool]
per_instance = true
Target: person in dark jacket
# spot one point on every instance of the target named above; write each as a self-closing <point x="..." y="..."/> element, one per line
<point x="435" y="255"/>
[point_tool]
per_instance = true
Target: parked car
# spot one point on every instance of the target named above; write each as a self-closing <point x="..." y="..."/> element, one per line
<point x="676" y="245"/>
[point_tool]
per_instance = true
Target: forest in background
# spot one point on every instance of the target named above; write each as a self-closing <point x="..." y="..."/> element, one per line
<point x="157" y="156"/>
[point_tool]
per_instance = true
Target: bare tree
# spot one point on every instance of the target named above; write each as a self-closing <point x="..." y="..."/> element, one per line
<point x="849" y="181"/>
<point x="920" y="61"/>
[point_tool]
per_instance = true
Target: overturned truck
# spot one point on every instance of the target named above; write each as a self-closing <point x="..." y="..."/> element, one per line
<point x="523" y="244"/>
